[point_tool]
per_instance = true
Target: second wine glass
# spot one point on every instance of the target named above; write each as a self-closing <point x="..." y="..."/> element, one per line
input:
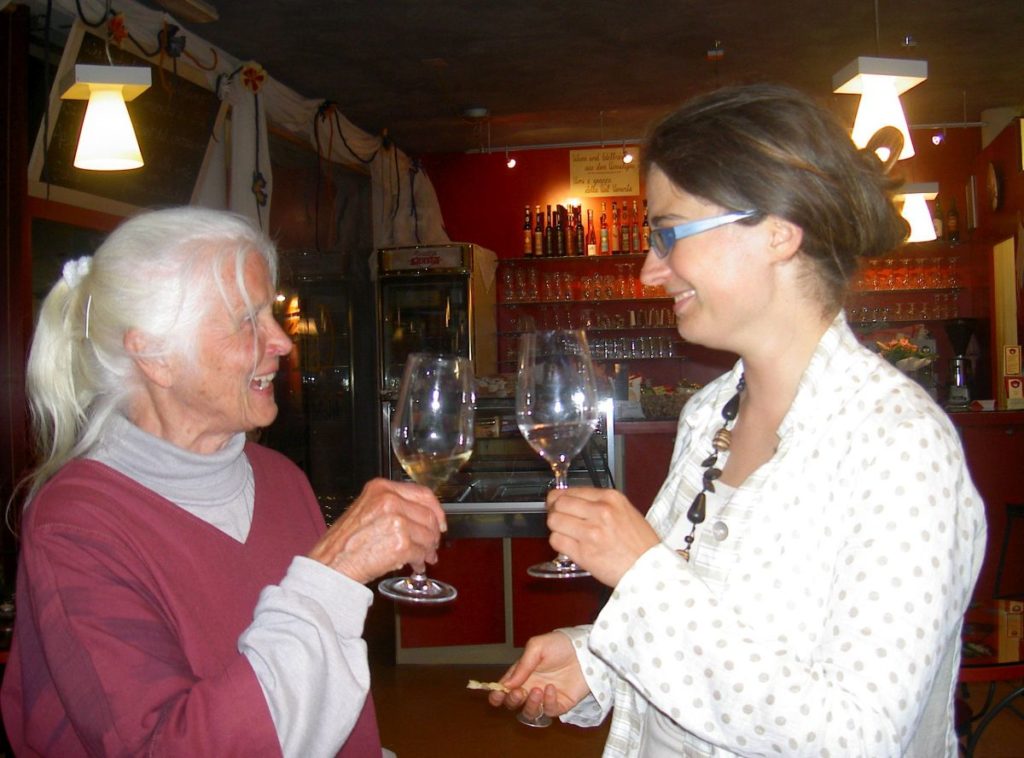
<point x="556" y="411"/>
<point x="432" y="437"/>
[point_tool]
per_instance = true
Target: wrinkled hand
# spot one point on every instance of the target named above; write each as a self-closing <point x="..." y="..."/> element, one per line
<point x="599" y="529"/>
<point x="389" y="525"/>
<point x="546" y="679"/>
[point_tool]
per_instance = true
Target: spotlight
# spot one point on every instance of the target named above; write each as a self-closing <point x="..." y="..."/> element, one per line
<point x="509" y="161"/>
<point x="938" y="138"/>
<point x="627" y="156"/>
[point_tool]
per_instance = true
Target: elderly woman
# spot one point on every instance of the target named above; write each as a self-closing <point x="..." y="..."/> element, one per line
<point x="798" y="585"/>
<point x="177" y="592"/>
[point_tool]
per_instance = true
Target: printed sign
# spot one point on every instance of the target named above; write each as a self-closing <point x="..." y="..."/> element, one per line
<point x="600" y="172"/>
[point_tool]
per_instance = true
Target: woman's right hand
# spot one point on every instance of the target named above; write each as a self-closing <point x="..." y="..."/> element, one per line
<point x="546" y="679"/>
<point x="389" y="525"/>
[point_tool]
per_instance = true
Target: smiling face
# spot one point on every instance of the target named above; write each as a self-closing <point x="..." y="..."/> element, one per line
<point x="720" y="280"/>
<point x="229" y="387"/>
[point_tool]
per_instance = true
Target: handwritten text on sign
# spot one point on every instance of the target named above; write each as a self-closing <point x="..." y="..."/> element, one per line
<point x="601" y="172"/>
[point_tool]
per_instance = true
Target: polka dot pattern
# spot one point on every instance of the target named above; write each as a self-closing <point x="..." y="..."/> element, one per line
<point x="827" y="622"/>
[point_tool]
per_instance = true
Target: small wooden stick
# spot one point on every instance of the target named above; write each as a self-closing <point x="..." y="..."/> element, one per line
<point x="496" y="686"/>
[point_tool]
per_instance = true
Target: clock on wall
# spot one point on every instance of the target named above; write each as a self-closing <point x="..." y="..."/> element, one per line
<point x="992" y="183"/>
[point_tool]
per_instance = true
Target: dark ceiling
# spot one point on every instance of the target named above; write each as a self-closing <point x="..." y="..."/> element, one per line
<point x="594" y="70"/>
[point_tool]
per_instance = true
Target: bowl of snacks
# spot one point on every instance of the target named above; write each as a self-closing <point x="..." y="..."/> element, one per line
<point x="665" y="402"/>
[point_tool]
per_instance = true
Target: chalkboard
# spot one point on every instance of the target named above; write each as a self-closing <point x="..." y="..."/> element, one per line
<point x="173" y="121"/>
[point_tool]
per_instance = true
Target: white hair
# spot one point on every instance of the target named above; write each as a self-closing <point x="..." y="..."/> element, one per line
<point x="153" y="274"/>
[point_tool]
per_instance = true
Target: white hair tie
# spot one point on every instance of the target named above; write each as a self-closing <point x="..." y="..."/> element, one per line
<point x="75" y="271"/>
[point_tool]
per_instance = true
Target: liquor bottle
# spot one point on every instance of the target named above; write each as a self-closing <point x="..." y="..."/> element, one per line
<point x="635" y="231"/>
<point x="527" y="233"/>
<point x="559" y="235"/>
<point x="952" y="222"/>
<point x="580" y="233"/>
<point x="939" y="221"/>
<point x="591" y="239"/>
<point x="604" y="249"/>
<point x="645" y="232"/>
<point x="538" y="233"/>
<point x="549" y="236"/>
<point x="624" y="235"/>
<point x="614" y="233"/>
<point x="570" y="231"/>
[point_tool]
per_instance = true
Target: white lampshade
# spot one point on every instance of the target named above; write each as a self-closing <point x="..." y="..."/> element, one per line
<point x="915" y="210"/>
<point x="880" y="82"/>
<point x="107" y="141"/>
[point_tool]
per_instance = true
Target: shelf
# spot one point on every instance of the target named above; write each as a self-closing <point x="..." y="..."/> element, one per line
<point x="590" y="303"/>
<point x="589" y="329"/>
<point x="573" y="259"/>
<point x="906" y="290"/>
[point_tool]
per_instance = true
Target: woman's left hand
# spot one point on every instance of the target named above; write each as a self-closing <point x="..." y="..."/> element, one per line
<point x="599" y="529"/>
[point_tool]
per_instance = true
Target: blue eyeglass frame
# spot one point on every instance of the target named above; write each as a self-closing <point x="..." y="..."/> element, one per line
<point x="665" y="238"/>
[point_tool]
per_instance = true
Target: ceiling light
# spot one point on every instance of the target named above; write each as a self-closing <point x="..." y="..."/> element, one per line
<point x="880" y="82"/>
<point x="107" y="141"/>
<point x="915" y="210"/>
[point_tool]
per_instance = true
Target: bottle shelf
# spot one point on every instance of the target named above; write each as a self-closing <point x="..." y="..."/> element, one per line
<point x="598" y="329"/>
<point x="573" y="259"/>
<point x="588" y="303"/>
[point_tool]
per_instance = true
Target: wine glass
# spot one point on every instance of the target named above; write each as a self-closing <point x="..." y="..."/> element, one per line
<point x="432" y="437"/>
<point x="556" y="410"/>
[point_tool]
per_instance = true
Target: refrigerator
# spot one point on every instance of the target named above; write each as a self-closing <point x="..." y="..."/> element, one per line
<point x="436" y="299"/>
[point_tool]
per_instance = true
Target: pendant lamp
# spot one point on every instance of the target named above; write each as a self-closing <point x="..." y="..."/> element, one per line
<point x="107" y="141"/>
<point x="915" y="209"/>
<point x="880" y="82"/>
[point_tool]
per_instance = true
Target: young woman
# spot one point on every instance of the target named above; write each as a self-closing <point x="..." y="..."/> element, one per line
<point x="798" y="585"/>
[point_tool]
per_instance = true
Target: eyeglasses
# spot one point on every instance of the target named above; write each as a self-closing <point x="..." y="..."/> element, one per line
<point x="662" y="240"/>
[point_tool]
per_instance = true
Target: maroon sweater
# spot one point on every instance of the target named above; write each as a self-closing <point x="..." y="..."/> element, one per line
<point x="129" y="612"/>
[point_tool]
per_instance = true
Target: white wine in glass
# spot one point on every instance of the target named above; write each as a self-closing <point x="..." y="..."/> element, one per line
<point x="557" y="411"/>
<point x="432" y="437"/>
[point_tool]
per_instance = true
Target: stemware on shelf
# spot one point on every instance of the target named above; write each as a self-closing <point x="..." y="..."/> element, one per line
<point x="556" y="411"/>
<point x="432" y="437"/>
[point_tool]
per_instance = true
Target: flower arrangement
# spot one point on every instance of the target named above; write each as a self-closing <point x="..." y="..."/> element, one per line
<point x="905" y="354"/>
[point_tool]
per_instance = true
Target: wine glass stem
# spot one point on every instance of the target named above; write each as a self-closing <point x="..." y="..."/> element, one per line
<point x="562" y="483"/>
<point x="561" y="475"/>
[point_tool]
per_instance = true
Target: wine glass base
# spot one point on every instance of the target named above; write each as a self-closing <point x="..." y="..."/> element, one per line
<point x="405" y="589"/>
<point x="557" y="570"/>
<point x="538" y="723"/>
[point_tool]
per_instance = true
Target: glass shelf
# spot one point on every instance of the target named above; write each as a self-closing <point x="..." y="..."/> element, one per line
<point x="589" y="303"/>
<point x="572" y="259"/>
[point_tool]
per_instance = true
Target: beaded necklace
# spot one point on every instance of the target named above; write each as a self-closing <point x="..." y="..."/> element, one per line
<point x="720" y="442"/>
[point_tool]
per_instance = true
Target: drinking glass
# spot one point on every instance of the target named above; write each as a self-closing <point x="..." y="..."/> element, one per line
<point x="432" y="437"/>
<point x="557" y="411"/>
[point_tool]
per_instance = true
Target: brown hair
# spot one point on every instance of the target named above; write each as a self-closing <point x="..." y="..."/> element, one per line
<point x="772" y="149"/>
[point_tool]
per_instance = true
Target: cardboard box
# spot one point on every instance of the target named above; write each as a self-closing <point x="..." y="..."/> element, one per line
<point x="1011" y="624"/>
<point x="1014" y="392"/>
<point x="1011" y="360"/>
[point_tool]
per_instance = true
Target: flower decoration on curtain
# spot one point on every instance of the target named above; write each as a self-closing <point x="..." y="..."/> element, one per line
<point x="253" y="77"/>
<point x="116" y="29"/>
<point x="259" y="188"/>
<point x="905" y="354"/>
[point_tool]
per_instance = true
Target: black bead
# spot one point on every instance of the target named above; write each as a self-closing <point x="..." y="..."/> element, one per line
<point x="731" y="408"/>
<point x="698" y="509"/>
<point x="711" y="460"/>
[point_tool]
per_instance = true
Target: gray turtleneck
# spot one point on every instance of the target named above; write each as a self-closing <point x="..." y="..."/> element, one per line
<point x="218" y="488"/>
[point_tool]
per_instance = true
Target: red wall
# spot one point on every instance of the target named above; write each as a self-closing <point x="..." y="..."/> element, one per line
<point x="482" y="199"/>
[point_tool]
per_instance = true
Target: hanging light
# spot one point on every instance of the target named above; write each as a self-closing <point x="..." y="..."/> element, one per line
<point x="915" y="210"/>
<point x="627" y="155"/>
<point x="510" y="161"/>
<point x="107" y="141"/>
<point x="880" y="82"/>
